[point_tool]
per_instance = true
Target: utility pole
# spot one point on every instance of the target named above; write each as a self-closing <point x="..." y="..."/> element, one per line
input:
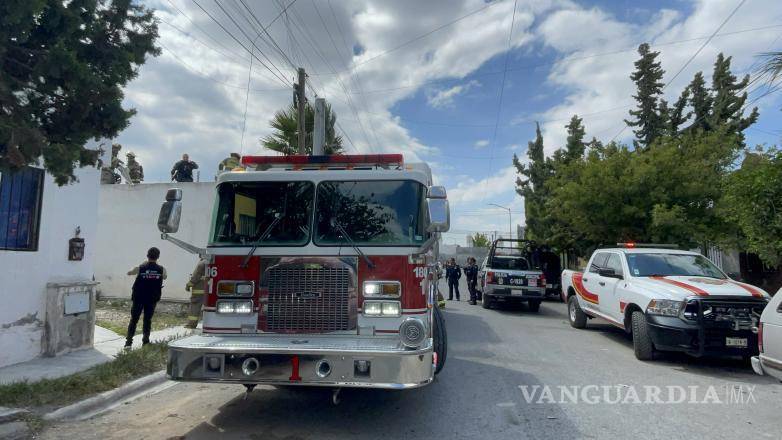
<point x="510" y="218"/>
<point x="301" y="98"/>
<point x="319" y="131"/>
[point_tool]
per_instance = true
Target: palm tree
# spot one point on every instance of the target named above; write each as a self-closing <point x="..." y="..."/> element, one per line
<point x="772" y="66"/>
<point x="285" y="138"/>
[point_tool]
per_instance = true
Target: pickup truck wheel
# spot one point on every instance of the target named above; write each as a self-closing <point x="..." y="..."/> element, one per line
<point x="440" y="337"/>
<point x="533" y="305"/>
<point x="576" y="316"/>
<point x="642" y="342"/>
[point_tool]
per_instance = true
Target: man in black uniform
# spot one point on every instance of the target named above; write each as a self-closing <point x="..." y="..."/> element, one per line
<point x="452" y="274"/>
<point x="471" y="272"/>
<point x="183" y="170"/>
<point x="146" y="293"/>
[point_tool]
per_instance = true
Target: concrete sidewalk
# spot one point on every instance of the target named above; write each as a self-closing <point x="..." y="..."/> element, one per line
<point x="106" y="346"/>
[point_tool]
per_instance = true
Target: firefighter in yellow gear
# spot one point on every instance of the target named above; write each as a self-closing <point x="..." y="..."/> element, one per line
<point x="197" y="288"/>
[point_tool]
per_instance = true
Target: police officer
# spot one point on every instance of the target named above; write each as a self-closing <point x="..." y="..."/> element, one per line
<point x="230" y="162"/>
<point x="147" y="289"/>
<point x="135" y="170"/>
<point x="196" y="286"/>
<point x="452" y="274"/>
<point x="471" y="272"/>
<point x="183" y="170"/>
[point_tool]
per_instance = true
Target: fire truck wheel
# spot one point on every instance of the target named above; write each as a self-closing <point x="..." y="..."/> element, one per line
<point x="534" y="306"/>
<point x="440" y="337"/>
<point x="576" y="316"/>
<point x="642" y="342"/>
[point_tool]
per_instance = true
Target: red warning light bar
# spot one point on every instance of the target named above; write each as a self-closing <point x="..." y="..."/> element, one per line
<point x="348" y="160"/>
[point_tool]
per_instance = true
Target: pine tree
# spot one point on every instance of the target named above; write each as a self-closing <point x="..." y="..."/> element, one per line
<point x="700" y="101"/>
<point x="728" y="99"/>
<point x="648" y="79"/>
<point x="575" y="146"/>
<point x="531" y="184"/>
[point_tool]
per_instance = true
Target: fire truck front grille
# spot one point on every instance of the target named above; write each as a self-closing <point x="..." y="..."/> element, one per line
<point x="304" y="299"/>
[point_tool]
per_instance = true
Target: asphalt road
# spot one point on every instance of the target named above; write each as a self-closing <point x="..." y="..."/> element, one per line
<point x="492" y="354"/>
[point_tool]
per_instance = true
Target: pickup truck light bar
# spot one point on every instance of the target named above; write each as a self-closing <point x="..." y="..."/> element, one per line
<point x="631" y="245"/>
<point x="300" y="161"/>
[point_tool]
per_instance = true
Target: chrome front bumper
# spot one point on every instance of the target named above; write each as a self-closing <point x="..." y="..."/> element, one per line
<point x="355" y="361"/>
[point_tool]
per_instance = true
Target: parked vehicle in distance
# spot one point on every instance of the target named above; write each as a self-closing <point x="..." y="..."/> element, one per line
<point x="668" y="299"/>
<point x="507" y="275"/>
<point x="769" y="359"/>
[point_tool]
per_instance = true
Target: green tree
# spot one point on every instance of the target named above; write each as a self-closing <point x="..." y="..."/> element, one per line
<point x="62" y="69"/>
<point x="728" y="100"/>
<point x="530" y="184"/>
<point x="285" y="138"/>
<point x="647" y="77"/>
<point x="575" y="146"/>
<point x="753" y="201"/>
<point x="480" y="240"/>
<point x="700" y="101"/>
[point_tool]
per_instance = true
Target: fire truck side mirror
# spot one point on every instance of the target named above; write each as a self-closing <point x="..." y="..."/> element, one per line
<point x="439" y="212"/>
<point x="170" y="212"/>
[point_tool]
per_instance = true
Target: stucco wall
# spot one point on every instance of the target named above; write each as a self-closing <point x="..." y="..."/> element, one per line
<point x="24" y="275"/>
<point x="127" y="227"/>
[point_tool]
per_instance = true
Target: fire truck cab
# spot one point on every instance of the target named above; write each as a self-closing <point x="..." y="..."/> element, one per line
<point x="320" y="273"/>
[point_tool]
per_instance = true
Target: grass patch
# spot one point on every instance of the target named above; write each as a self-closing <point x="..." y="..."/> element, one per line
<point x="127" y="365"/>
<point x="115" y="315"/>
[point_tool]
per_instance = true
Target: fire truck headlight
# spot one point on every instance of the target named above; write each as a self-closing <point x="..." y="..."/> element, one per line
<point x="412" y="332"/>
<point x="225" y="307"/>
<point x="664" y="307"/>
<point x="382" y="308"/>
<point x="391" y="308"/>
<point x="384" y="289"/>
<point x="235" y="288"/>
<point x="240" y="307"/>
<point x="243" y="307"/>
<point x="373" y="308"/>
<point x="244" y="289"/>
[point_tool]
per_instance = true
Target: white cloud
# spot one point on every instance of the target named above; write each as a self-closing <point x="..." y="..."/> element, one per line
<point x="597" y="87"/>
<point x="175" y="104"/>
<point x="444" y="97"/>
<point x="482" y="143"/>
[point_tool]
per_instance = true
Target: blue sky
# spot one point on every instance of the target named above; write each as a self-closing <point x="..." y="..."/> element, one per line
<point x="398" y="86"/>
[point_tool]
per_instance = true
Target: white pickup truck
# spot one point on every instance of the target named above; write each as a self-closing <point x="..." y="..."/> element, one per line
<point x="669" y="300"/>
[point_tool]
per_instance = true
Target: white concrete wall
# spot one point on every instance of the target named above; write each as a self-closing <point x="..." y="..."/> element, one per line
<point x="24" y="275"/>
<point x="127" y="227"/>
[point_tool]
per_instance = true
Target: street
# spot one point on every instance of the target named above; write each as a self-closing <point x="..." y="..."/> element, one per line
<point x="491" y="354"/>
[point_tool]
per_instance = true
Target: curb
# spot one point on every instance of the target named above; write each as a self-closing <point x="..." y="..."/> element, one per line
<point x="108" y="398"/>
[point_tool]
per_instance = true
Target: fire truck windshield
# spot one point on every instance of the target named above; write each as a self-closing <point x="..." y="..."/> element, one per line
<point x="374" y="213"/>
<point x="246" y="211"/>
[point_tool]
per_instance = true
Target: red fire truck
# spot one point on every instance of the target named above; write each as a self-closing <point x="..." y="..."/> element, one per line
<point x="320" y="272"/>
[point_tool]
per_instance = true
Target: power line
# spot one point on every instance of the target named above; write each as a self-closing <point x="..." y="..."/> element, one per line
<point x="684" y="66"/>
<point x="230" y="17"/>
<point x="203" y="75"/>
<point x="502" y="91"/>
<point x="283" y="81"/>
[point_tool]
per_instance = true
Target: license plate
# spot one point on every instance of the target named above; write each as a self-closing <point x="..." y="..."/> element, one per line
<point x="736" y="342"/>
<point x="517" y="293"/>
<point x="532" y="282"/>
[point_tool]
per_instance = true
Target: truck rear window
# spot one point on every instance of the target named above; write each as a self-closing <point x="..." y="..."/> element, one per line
<point x="510" y="263"/>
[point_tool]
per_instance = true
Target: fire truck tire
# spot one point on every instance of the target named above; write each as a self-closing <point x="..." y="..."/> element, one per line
<point x="576" y="316"/>
<point x="440" y="337"/>
<point x="642" y="342"/>
<point x="533" y="306"/>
